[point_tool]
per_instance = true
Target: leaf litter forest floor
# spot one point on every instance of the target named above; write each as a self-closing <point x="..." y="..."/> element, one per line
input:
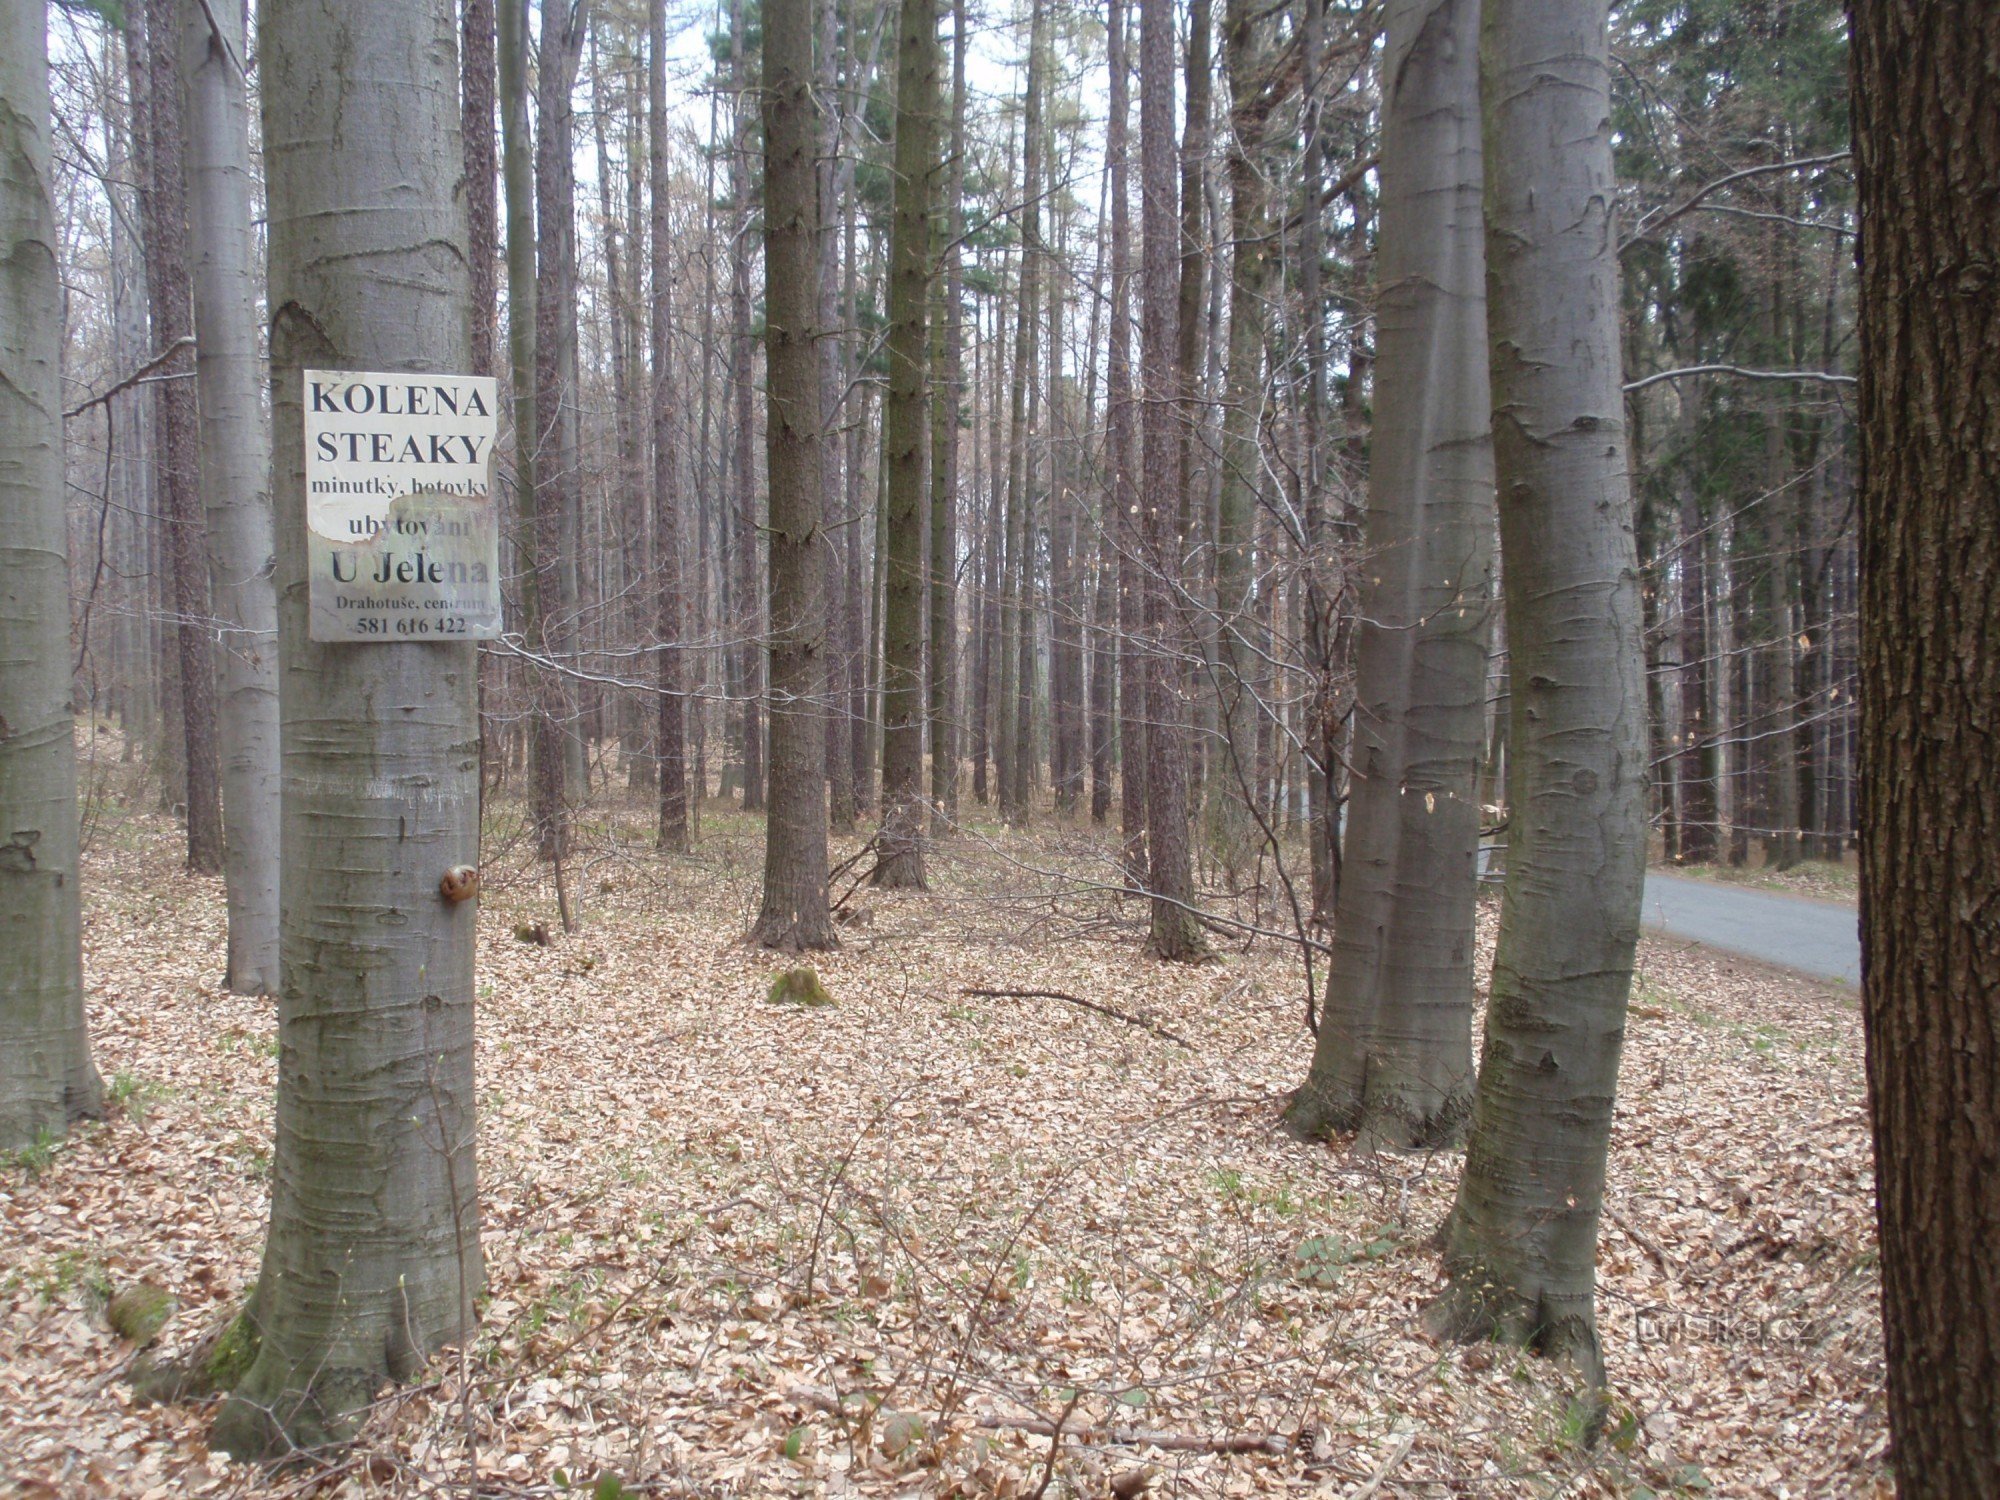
<point x="737" y="1248"/>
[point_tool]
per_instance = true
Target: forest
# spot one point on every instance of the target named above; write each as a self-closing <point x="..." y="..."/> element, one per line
<point x="999" y="748"/>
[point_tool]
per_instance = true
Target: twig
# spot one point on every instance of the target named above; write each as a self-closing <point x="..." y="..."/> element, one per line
<point x="1055" y="1445"/>
<point x="185" y="341"/>
<point x="1385" y="1468"/>
<point x="1139" y="1437"/>
<point x="1103" y="1010"/>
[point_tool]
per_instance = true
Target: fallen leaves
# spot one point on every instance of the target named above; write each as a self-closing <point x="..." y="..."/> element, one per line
<point x="956" y="1221"/>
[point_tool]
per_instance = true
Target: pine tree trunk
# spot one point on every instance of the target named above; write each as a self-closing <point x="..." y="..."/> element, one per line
<point x="373" y="1257"/>
<point x="1393" y="1057"/>
<point x="178" y="435"/>
<point x="235" y="469"/>
<point x="794" y="913"/>
<point x="900" y="849"/>
<point x="1233" y="784"/>
<point x="672" y="637"/>
<point x="947" y="402"/>
<point x="476" y="127"/>
<point x="46" y="1077"/>
<point x="1123" y="490"/>
<point x="1927" y="138"/>
<point x="832" y="401"/>
<point x="1176" y="935"/>
<point x="1016" y="587"/>
<point x="1522" y="1241"/>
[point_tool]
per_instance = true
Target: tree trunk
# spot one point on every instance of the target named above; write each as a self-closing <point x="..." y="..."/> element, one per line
<point x="1522" y="1241"/>
<point x="557" y="488"/>
<point x="373" y="1258"/>
<point x="1926" y="139"/>
<point x="46" y="1077"/>
<point x="1176" y="935"/>
<point x="235" y="469"/>
<point x="944" y="460"/>
<point x="672" y="675"/>
<point x="1016" y="592"/>
<point x="476" y="128"/>
<point x="794" y="913"/>
<point x="1123" y="490"/>
<point x="1393" y="1057"/>
<point x="1232" y="787"/>
<point x="900" y="850"/>
<point x="179" y="439"/>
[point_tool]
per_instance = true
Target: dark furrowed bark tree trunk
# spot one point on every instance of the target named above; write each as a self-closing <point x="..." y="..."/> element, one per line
<point x="1012" y="733"/>
<point x="1393" y="1057"/>
<point x="1522" y="1241"/>
<point x="476" y="129"/>
<point x="900" y="848"/>
<point x="46" y="1077"/>
<point x="1232" y="786"/>
<point x="235" y="467"/>
<point x="1176" y="935"/>
<point x="794" y="913"/>
<point x="839" y="760"/>
<point x="672" y="675"/>
<point x="1121" y="439"/>
<point x="944" y="461"/>
<point x="373" y="1256"/>
<point x="1927" y="138"/>
<point x="165" y="215"/>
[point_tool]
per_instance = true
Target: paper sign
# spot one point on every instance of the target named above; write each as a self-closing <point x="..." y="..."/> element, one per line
<point x="402" y="542"/>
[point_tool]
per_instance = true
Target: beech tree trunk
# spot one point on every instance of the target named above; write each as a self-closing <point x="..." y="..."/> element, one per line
<point x="46" y="1078"/>
<point x="1927" y="140"/>
<point x="794" y="913"/>
<point x="373" y="1257"/>
<point x="235" y="471"/>
<point x="1176" y="934"/>
<point x="1393" y="1057"/>
<point x="1522" y="1241"/>
<point x="900" y="851"/>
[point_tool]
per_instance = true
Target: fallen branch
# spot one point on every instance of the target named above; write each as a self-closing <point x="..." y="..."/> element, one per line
<point x="1103" y="1010"/>
<point x="1139" y="1437"/>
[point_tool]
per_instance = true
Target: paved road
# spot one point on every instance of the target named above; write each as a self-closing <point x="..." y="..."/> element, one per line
<point x="1815" y="937"/>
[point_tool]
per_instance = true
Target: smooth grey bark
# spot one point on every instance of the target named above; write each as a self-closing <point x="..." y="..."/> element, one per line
<point x="794" y="913"/>
<point x="373" y="1257"/>
<point x="46" y="1078"/>
<point x="1522" y="1240"/>
<point x="235" y="478"/>
<point x="1393" y="1055"/>
<point x="900" y="846"/>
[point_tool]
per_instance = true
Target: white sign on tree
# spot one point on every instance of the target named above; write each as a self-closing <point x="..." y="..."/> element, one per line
<point x="402" y="539"/>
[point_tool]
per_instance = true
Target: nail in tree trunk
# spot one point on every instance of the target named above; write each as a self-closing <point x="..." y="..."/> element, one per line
<point x="1393" y="1057"/>
<point x="794" y="913"/>
<point x="235" y="468"/>
<point x="900" y="849"/>
<point x="1522" y="1239"/>
<point x="177" y="432"/>
<point x="1122" y="441"/>
<point x="1926" y="139"/>
<point x="671" y="683"/>
<point x="373" y="1258"/>
<point x="1176" y="934"/>
<point x="46" y="1078"/>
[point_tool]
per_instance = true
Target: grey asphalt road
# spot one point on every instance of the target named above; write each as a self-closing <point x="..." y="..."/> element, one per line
<point x="1820" y="938"/>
